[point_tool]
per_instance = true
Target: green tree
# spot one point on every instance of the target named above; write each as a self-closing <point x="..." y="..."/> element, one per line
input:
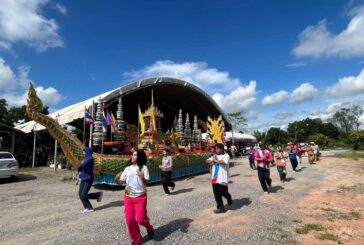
<point x="319" y="139"/>
<point x="299" y="131"/>
<point x="331" y="130"/>
<point x="259" y="135"/>
<point x="3" y="110"/>
<point x="357" y="138"/>
<point x="275" y="136"/>
<point x="348" y="119"/>
<point x="237" y="119"/>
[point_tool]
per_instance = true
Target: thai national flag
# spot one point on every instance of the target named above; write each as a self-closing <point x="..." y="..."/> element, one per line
<point x="89" y="119"/>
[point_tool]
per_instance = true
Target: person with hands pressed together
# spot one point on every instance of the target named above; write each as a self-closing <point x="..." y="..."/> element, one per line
<point x="136" y="177"/>
<point x="220" y="177"/>
<point x="263" y="158"/>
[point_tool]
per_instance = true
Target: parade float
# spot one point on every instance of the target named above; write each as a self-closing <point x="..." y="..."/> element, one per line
<point x="189" y="152"/>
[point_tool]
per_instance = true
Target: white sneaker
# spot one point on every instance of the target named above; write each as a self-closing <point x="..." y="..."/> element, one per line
<point x="166" y="194"/>
<point x="88" y="210"/>
<point x="266" y="192"/>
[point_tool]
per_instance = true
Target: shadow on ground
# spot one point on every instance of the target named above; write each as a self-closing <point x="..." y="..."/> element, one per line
<point x="239" y="203"/>
<point x="275" y="189"/>
<point x="180" y="191"/>
<point x="176" y="225"/>
<point x="114" y="204"/>
<point x="234" y="175"/>
<point x="290" y="179"/>
<point x="105" y="187"/>
<point x="21" y="178"/>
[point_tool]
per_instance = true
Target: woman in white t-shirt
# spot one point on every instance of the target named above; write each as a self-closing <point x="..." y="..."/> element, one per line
<point x="136" y="177"/>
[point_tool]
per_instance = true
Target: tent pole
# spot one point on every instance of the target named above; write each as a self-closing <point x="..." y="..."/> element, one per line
<point x="34" y="141"/>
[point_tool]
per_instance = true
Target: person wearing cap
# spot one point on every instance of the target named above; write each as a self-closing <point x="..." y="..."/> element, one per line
<point x="220" y="177"/>
<point x="263" y="158"/>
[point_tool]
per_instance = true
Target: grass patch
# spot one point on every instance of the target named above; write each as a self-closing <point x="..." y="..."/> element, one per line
<point x="27" y="170"/>
<point x="328" y="209"/>
<point x="351" y="154"/>
<point x="309" y="227"/>
<point x="279" y="222"/>
<point x="328" y="236"/>
<point x="334" y="215"/>
<point x="297" y="221"/>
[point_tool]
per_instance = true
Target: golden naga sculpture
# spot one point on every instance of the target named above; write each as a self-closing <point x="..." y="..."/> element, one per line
<point x="215" y="129"/>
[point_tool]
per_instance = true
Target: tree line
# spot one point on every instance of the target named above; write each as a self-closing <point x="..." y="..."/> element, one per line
<point x="342" y="128"/>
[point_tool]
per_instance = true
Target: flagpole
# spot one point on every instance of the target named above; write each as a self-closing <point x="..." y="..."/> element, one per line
<point x="138" y="125"/>
<point x="91" y="126"/>
<point x="102" y="138"/>
<point x="84" y="121"/>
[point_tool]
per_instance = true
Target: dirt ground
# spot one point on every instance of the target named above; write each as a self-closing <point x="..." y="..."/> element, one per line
<point x="322" y="204"/>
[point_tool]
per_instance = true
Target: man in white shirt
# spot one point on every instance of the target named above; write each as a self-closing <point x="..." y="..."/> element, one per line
<point x="220" y="177"/>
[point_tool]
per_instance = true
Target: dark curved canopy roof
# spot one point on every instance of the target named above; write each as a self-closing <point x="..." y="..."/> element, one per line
<point x="170" y="95"/>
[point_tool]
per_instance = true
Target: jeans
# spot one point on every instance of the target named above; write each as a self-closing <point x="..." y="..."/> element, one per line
<point x="136" y="214"/>
<point x="282" y="172"/>
<point x="264" y="178"/>
<point x="84" y="196"/>
<point x="219" y="192"/>
<point x="166" y="181"/>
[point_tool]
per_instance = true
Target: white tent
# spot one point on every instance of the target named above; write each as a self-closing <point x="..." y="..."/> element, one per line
<point x="238" y="137"/>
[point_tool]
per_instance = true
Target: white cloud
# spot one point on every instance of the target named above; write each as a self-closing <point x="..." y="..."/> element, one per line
<point x="275" y="98"/>
<point x="241" y="98"/>
<point x="347" y="86"/>
<point x="283" y="115"/>
<point x="295" y="65"/>
<point x="62" y="9"/>
<point x="209" y="79"/>
<point x="13" y="87"/>
<point x="22" y="21"/>
<point x="317" y="41"/>
<point x="303" y="93"/>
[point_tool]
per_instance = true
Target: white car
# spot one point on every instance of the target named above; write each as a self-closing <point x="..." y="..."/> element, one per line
<point x="8" y="165"/>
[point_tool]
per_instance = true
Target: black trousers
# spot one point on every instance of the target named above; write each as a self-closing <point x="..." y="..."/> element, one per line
<point x="294" y="163"/>
<point x="219" y="192"/>
<point x="85" y="196"/>
<point x="167" y="181"/>
<point x="264" y="178"/>
<point x="252" y="163"/>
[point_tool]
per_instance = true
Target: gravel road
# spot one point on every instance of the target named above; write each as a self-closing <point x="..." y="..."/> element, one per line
<point x="43" y="208"/>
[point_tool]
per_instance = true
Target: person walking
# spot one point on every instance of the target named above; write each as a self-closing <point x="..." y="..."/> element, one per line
<point x="86" y="170"/>
<point x="136" y="177"/>
<point x="310" y="153"/>
<point x="263" y="158"/>
<point x="299" y="156"/>
<point x="251" y="157"/>
<point x="220" y="177"/>
<point x="281" y="158"/>
<point x="316" y="151"/>
<point x="166" y="168"/>
<point x="293" y="157"/>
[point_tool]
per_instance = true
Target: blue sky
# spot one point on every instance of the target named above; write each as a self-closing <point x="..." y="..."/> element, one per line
<point x="278" y="61"/>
